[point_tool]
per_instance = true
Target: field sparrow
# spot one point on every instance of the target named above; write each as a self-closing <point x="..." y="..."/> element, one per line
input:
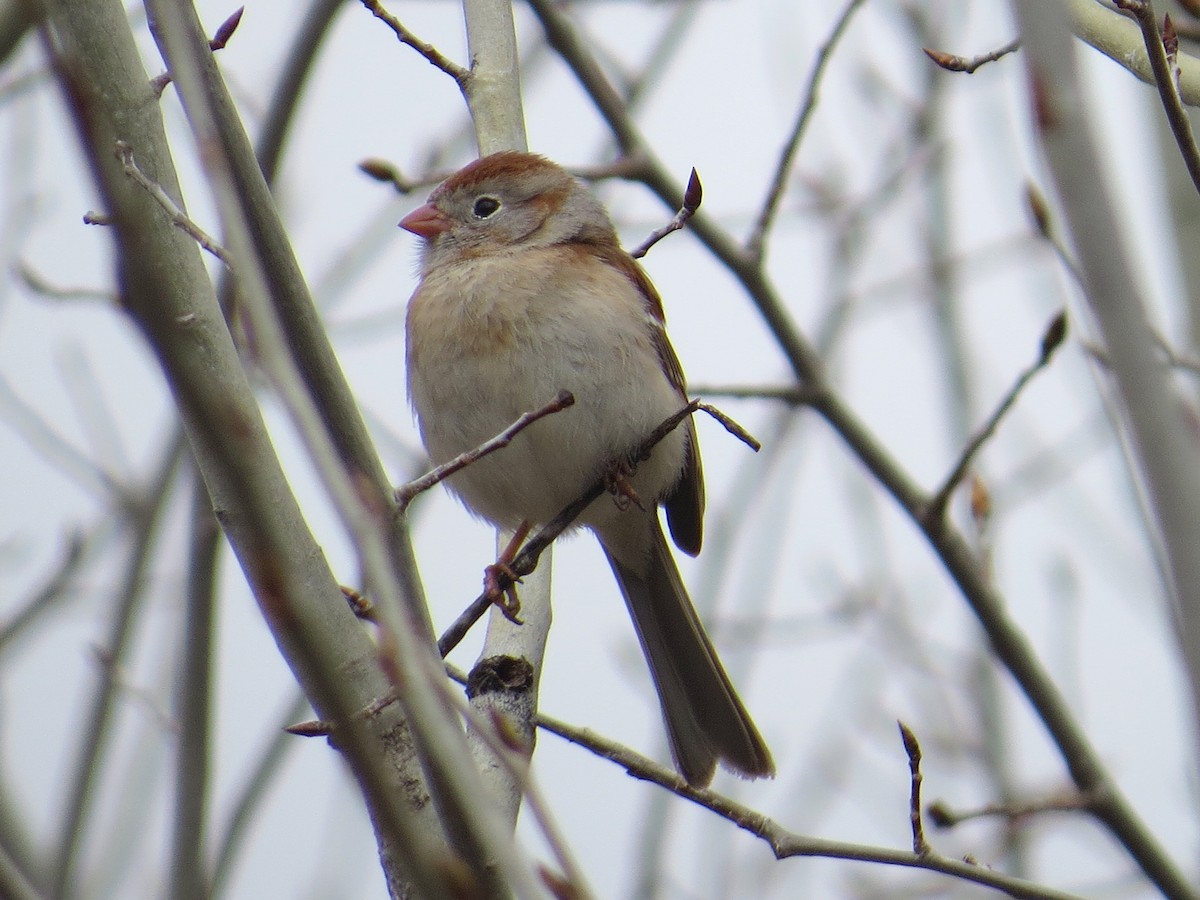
<point x="525" y="291"/>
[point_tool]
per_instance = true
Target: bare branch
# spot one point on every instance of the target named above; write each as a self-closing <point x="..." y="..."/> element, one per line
<point x="179" y="218"/>
<point x="691" y="202"/>
<point x="784" y="843"/>
<point x="758" y="234"/>
<point x="53" y="590"/>
<point x="952" y="63"/>
<point x="407" y="492"/>
<point x="1056" y="332"/>
<point x="45" y="288"/>
<point x="944" y="816"/>
<point x="431" y="53"/>
<point x="1166" y="75"/>
<point x="912" y="748"/>
<point x="527" y="560"/>
<point x="219" y="41"/>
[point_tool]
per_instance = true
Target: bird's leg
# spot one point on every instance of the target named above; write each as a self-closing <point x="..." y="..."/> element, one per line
<point x="617" y="475"/>
<point x="499" y="579"/>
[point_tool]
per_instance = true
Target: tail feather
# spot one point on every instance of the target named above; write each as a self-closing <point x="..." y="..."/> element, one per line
<point x="706" y="721"/>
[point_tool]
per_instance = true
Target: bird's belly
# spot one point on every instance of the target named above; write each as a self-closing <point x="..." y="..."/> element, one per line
<point x="553" y="461"/>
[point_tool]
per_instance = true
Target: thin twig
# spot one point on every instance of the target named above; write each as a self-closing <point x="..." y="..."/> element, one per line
<point x="527" y="560"/>
<point x="389" y="173"/>
<point x="1039" y="210"/>
<point x="55" y="588"/>
<point x="968" y="66"/>
<point x="406" y="492"/>
<point x="179" y="218"/>
<point x="224" y="32"/>
<point x="43" y="287"/>
<point x="144" y="523"/>
<point x="755" y="242"/>
<point x="431" y="53"/>
<point x="785" y="843"/>
<point x="691" y="202"/>
<point x="194" y="701"/>
<point x="1056" y="332"/>
<point x="942" y="816"/>
<point x="1166" y="82"/>
<point x="1175" y="360"/>
<point x="731" y="426"/>
<point x="912" y="748"/>
<point x="793" y="395"/>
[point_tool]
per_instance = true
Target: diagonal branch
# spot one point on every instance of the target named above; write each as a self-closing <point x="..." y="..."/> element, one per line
<point x="758" y="234"/>
<point x="1166" y="80"/>
<point x="1051" y="340"/>
<point x="527" y="560"/>
<point x="432" y="54"/>
<point x="406" y="493"/>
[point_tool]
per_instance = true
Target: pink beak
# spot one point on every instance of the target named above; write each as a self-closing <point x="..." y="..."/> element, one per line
<point x="427" y="221"/>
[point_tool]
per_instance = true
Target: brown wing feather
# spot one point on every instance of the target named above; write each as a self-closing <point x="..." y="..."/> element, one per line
<point x="685" y="503"/>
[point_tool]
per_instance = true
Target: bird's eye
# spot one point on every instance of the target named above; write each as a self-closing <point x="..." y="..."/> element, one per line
<point x="485" y="206"/>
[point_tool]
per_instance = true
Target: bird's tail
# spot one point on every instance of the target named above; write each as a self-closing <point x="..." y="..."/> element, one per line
<point x="706" y="721"/>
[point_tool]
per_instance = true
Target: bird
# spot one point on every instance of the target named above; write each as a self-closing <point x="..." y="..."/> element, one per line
<point x="525" y="291"/>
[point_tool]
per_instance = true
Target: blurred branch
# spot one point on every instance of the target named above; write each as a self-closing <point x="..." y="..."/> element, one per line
<point x="189" y="851"/>
<point x="944" y="817"/>
<point x="293" y="77"/>
<point x="53" y="447"/>
<point x="770" y="208"/>
<point x="145" y="513"/>
<point x="249" y="798"/>
<point x="164" y="283"/>
<point x="797" y="395"/>
<point x="44" y="288"/>
<point x="50" y="593"/>
<point x="1160" y="424"/>
<point x="14" y="883"/>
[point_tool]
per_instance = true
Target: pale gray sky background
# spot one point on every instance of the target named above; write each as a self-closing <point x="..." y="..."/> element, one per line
<point x="862" y="625"/>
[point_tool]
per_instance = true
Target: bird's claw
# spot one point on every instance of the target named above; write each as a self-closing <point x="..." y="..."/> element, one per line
<point x="500" y="586"/>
